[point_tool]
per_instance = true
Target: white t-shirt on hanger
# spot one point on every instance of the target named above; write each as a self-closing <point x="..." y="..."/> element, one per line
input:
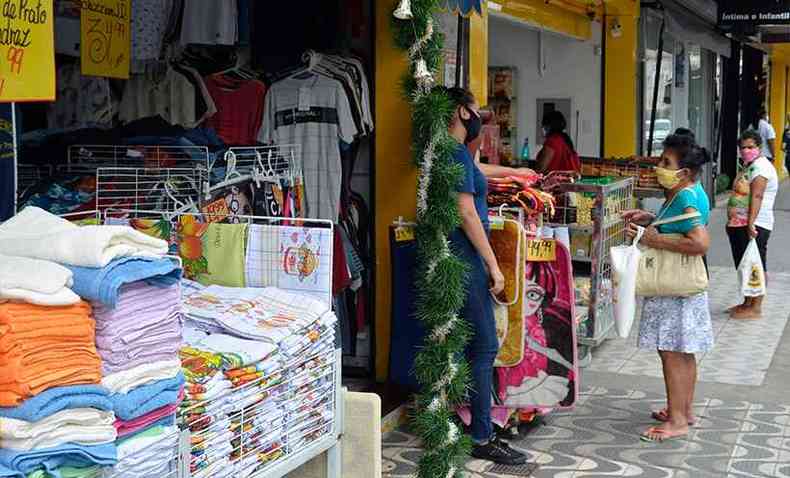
<point x="323" y="121"/>
<point x="210" y="22"/>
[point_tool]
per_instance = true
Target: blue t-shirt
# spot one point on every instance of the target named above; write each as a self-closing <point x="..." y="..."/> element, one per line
<point x="693" y="197"/>
<point x="473" y="182"/>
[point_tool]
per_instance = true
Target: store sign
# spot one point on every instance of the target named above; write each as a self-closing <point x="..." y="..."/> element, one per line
<point x="754" y="12"/>
<point x="27" y="51"/>
<point x="105" y="44"/>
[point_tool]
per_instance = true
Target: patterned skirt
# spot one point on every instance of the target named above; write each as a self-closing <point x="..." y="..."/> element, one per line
<point x="676" y="324"/>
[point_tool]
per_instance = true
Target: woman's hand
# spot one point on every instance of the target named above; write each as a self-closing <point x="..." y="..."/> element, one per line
<point x="649" y="237"/>
<point x="497" y="279"/>
<point x="753" y="233"/>
<point x="638" y="216"/>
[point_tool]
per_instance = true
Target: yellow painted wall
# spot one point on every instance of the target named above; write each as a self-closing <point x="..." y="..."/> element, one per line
<point x="395" y="176"/>
<point x="549" y="16"/>
<point x="777" y="108"/>
<point x="620" y="79"/>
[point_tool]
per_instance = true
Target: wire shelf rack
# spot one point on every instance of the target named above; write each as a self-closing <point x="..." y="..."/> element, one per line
<point x="86" y="159"/>
<point x="163" y="189"/>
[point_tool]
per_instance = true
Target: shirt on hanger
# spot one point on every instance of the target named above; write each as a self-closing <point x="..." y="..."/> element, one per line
<point x="172" y="97"/>
<point x="81" y="100"/>
<point x="148" y="23"/>
<point x="315" y="113"/>
<point x="210" y="22"/>
<point x="239" y="109"/>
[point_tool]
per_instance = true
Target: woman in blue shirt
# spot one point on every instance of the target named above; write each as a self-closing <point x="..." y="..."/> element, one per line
<point x="678" y="327"/>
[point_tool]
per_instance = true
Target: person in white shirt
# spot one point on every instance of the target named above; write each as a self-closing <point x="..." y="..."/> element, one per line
<point x="751" y="212"/>
<point x="768" y="136"/>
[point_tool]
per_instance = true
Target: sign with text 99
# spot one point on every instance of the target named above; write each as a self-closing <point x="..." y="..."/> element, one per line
<point x="106" y="43"/>
<point x="542" y="250"/>
<point x="27" y="51"/>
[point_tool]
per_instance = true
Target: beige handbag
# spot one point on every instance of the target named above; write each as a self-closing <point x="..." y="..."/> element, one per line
<point x="665" y="273"/>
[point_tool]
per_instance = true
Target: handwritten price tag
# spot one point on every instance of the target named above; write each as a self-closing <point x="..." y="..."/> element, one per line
<point x="27" y="51"/>
<point x="542" y="250"/>
<point x="216" y="211"/>
<point x="105" y="45"/>
<point x="404" y="234"/>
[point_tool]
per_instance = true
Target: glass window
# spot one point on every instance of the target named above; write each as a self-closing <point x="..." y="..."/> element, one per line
<point x="701" y="94"/>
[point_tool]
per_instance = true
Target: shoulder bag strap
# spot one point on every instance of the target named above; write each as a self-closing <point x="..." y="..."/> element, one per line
<point x="682" y="217"/>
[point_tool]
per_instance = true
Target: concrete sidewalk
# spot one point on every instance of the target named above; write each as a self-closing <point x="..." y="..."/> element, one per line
<point x="743" y="397"/>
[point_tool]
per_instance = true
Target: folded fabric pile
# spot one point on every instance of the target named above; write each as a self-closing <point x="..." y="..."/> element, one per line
<point x="38" y="234"/>
<point x="35" y="281"/>
<point x="45" y="347"/>
<point x="230" y="381"/>
<point x="62" y="431"/>
<point x="137" y="308"/>
<point x="264" y="380"/>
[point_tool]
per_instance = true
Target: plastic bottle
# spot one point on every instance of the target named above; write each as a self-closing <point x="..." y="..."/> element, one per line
<point x="525" y="156"/>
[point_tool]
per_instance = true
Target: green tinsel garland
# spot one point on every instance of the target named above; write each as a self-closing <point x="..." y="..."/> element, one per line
<point x="440" y="368"/>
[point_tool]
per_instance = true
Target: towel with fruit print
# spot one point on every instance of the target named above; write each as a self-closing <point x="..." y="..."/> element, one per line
<point x="184" y="234"/>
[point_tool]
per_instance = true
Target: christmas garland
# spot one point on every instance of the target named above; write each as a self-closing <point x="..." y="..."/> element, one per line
<point x="439" y="367"/>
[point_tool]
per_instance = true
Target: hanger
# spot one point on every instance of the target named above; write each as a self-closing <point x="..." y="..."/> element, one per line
<point x="232" y="175"/>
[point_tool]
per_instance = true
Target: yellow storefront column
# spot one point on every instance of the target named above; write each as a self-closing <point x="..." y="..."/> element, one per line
<point x="620" y="78"/>
<point x="780" y="59"/>
<point x="478" y="56"/>
<point x="395" y="174"/>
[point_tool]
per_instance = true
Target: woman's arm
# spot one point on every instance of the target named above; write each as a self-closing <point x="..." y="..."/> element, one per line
<point x="756" y="194"/>
<point x="473" y="228"/>
<point x="544" y="158"/>
<point x="495" y="170"/>
<point x="694" y="243"/>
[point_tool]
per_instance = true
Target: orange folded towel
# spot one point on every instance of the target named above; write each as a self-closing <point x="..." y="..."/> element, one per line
<point x="45" y="347"/>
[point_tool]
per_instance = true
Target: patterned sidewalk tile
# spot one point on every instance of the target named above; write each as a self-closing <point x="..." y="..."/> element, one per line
<point x="601" y="439"/>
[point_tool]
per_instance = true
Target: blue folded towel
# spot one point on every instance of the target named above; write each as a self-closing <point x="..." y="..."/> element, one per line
<point x="147" y="398"/>
<point x="21" y="463"/>
<point x="104" y="285"/>
<point x="56" y="399"/>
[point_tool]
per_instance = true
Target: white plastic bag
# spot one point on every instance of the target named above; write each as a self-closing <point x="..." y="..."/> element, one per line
<point x="625" y="264"/>
<point x="751" y="275"/>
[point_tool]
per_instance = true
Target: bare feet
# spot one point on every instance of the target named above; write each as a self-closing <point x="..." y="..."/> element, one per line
<point x="663" y="416"/>
<point x="667" y="431"/>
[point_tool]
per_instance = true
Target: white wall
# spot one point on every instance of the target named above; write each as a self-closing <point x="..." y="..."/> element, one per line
<point x="573" y="70"/>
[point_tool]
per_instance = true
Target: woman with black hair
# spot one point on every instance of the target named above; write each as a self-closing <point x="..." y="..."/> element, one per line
<point x="558" y="153"/>
<point x="678" y="327"/>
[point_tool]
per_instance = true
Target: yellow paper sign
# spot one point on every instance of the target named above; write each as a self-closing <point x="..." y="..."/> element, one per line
<point x="403" y="234"/>
<point x="106" y="38"/>
<point x="542" y="250"/>
<point x="216" y="211"/>
<point x="27" y="51"/>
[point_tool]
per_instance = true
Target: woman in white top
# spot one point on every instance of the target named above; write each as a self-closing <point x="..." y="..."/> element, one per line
<point x="750" y="212"/>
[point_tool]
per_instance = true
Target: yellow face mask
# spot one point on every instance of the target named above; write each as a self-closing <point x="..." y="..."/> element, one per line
<point x="667" y="178"/>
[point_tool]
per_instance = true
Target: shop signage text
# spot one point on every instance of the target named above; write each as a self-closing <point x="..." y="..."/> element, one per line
<point x="105" y="45"/>
<point x="27" y="51"/>
<point x="752" y="13"/>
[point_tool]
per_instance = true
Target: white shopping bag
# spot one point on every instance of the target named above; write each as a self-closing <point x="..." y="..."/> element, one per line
<point x="625" y="264"/>
<point x="751" y="274"/>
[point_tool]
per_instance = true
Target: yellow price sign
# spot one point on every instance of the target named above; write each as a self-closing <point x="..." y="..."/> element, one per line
<point x="105" y="38"/>
<point x="27" y="51"/>
<point x="542" y="250"/>
<point x="404" y="234"/>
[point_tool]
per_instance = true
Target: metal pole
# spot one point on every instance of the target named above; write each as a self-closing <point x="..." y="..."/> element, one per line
<point x="16" y="161"/>
<point x="656" y="84"/>
<point x="459" y="51"/>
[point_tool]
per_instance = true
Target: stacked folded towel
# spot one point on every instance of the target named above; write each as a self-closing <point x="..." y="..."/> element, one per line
<point x="38" y="234"/>
<point x="147" y="454"/>
<point x="69" y="427"/>
<point x="45" y="347"/>
<point x="35" y="281"/>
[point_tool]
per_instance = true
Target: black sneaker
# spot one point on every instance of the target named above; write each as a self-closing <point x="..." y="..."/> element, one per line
<point x="499" y="452"/>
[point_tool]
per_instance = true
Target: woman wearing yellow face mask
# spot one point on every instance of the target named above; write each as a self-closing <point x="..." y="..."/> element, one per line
<point x="678" y="327"/>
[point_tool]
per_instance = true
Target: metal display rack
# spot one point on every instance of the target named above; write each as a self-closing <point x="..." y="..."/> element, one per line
<point x="605" y="230"/>
<point x="276" y="423"/>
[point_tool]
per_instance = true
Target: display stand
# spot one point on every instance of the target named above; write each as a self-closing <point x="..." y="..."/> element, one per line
<point x="596" y="218"/>
<point x="303" y="433"/>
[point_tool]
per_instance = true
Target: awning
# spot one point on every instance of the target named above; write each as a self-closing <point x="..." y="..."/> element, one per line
<point x="695" y="27"/>
<point x="466" y="7"/>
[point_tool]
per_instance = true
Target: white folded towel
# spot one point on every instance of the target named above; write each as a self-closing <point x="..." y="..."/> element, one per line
<point x="35" y="281"/>
<point x="37" y="234"/>
<point x="84" y="426"/>
<point x="127" y="380"/>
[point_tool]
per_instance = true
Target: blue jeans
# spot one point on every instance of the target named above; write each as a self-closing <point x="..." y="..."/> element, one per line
<point x="478" y="311"/>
